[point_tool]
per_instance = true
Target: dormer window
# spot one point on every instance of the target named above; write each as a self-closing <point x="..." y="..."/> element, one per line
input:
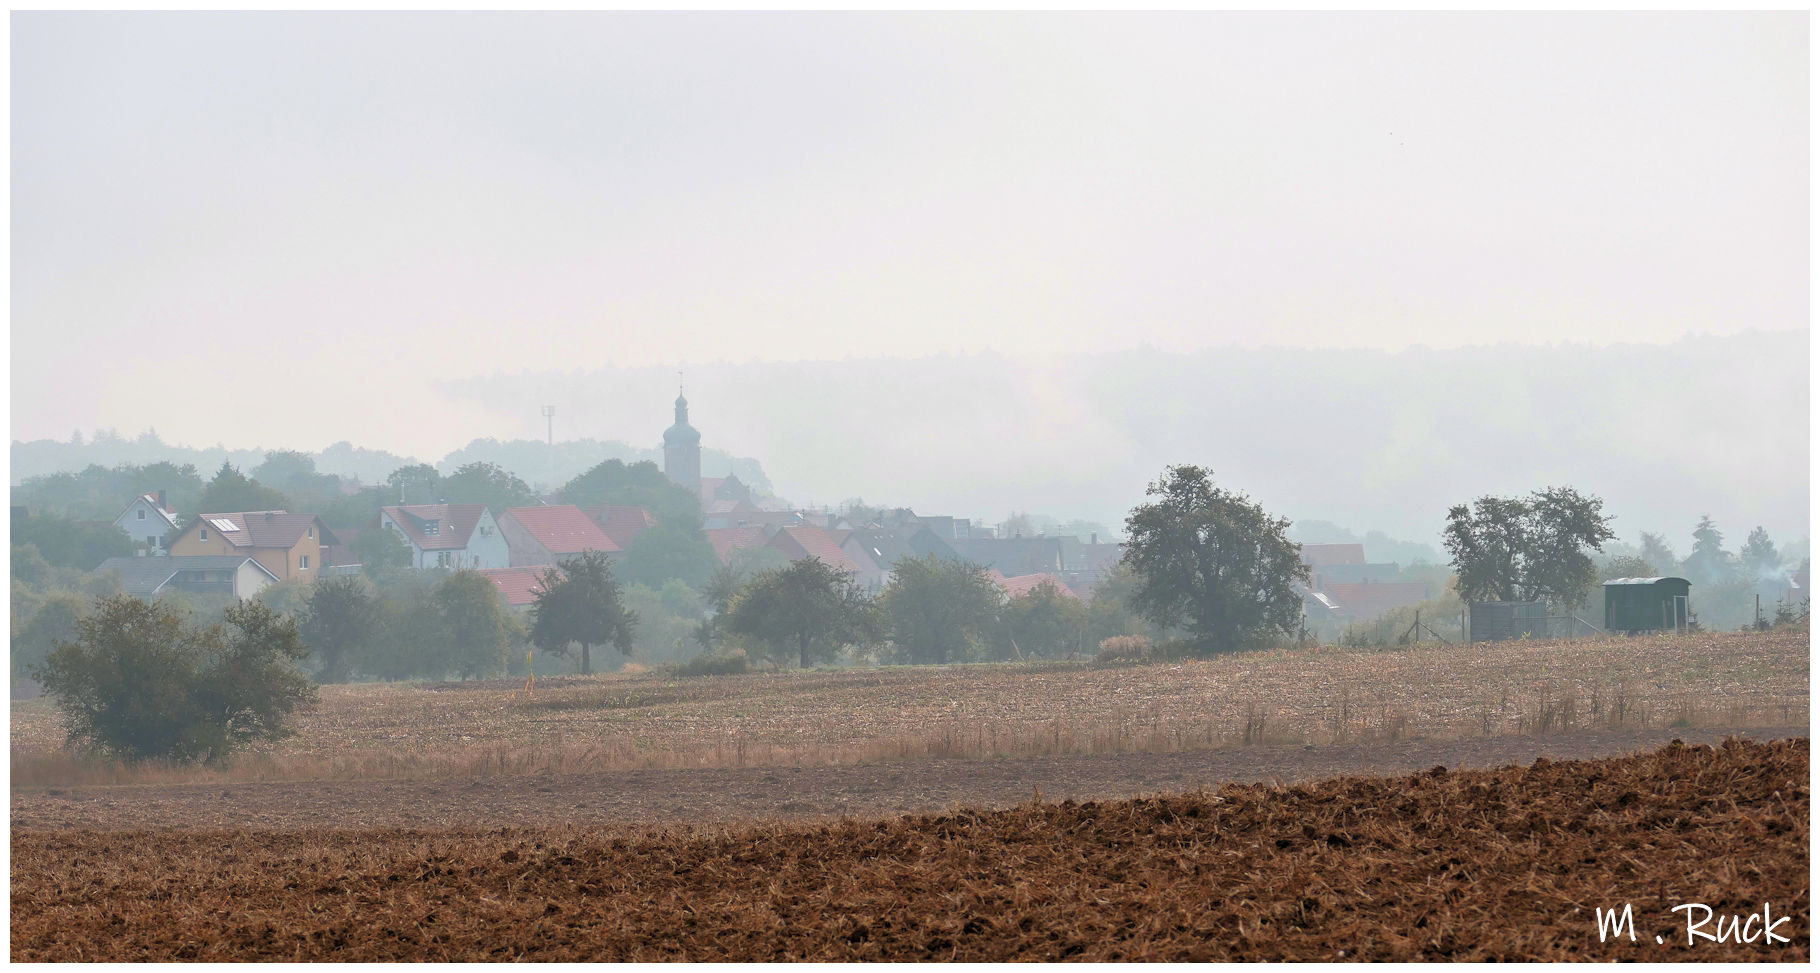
<point x="432" y="527"/>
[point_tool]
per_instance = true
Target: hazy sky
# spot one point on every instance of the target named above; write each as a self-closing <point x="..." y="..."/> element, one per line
<point x="288" y="229"/>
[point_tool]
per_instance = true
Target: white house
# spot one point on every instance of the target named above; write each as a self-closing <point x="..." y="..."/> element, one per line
<point x="146" y="520"/>
<point x="448" y="535"/>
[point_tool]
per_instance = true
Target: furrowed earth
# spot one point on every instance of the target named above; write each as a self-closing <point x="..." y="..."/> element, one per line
<point x="1315" y="840"/>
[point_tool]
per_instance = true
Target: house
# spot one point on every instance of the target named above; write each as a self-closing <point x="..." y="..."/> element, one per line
<point x="1369" y="599"/>
<point x="1014" y="556"/>
<point x="799" y="542"/>
<point x="288" y="545"/>
<point x="456" y="536"/>
<point x="146" y="520"/>
<point x="550" y="534"/>
<point x="718" y="514"/>
<point x="728" y="487"/>
<point x="726" y="540"/>
<point x="519" y="586"/>
<point x="1027" y="584"/>
<point x="622" y="524"/>
<point x="239" y="575"/>
<point x="876" y="551"/>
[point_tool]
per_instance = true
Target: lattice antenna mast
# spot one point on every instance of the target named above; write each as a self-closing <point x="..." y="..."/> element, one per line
<point x="549" y="418"/>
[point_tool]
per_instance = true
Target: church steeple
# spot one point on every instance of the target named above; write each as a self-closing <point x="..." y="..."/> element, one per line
<point x="682" y="449"/>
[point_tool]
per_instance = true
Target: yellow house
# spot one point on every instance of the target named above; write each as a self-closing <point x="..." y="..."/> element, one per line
<point x="288" y="545"/>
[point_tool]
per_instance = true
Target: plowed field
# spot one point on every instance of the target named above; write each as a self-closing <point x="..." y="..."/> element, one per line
<point x="1502" y="864"/>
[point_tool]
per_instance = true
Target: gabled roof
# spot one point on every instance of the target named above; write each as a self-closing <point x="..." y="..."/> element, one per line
<point x="1025" y="584"/>
<point x="455" y="523"/>
<point x="621" y="523"/>
<point x="263" y="528"/>
<point x="726" y="540"/>
<point x="882" y="547"/>
<point x="520" y="585"/>
<point x="141" y="576"/>
<point x="562" y="529"/>
<point x="151" y="500"/>
<point x="801" y="542"/>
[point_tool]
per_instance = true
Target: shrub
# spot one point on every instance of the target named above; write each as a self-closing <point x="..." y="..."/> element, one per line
<point x="713" y="664"/>
<point x="1135" y="647"/>
<point x="140" y="683"/>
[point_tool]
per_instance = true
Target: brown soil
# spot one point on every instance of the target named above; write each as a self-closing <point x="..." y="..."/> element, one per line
<point x="1476" y="865"/>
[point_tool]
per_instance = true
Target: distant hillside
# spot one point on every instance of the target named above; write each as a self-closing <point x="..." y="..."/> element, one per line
<point x="1375" y="440"/>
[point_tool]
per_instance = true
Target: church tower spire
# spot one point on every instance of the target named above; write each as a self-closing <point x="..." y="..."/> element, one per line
<point x="682" y="449"/>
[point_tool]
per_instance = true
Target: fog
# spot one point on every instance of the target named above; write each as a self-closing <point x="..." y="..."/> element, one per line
<point x="1362" y="266"/>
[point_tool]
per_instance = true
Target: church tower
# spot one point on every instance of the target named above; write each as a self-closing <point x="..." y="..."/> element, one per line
<point x="682" y="450"/>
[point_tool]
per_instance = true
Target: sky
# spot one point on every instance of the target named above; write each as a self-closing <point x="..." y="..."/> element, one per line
<point x="295" y="229"/>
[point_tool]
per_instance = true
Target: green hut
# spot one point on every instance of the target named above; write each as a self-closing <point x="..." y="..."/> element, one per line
<point x="1645" y="604"/>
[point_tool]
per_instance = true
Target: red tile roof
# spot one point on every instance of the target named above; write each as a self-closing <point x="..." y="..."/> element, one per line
<point x="521" y="586"/>
<point x="1321" y="555"/>
<point x="802" y="542"/>
<point x="1025" y="584"/>
<point x="621" y="523"/>
<point x="562" y="529"/>
<point x="726" y="540"/>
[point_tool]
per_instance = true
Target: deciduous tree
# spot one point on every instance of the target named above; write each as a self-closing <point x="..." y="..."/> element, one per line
<point x="581" y="605"/>
<point x="937" y="609"/>
<point x="1215" y="561"/>
<point x="809" y="607"/>
<point x="473" y="625"/>
<point x="1528" y="549"/>
<point x="338" y="621"/>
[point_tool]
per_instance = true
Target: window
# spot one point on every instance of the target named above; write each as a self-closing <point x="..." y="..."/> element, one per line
<point x="303" y="562"/>
<point x="204" y="535"/>
<point x="141" y="512"/>
<point x="432" y="527"/>
<point x="151" y="540"/>
<point x="442" y="559"/>
<point x="312" y="530"/>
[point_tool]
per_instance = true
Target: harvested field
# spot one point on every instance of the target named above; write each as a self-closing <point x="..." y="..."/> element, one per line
<point x="1478" y="865"/>
<point x="1323" y="696"/>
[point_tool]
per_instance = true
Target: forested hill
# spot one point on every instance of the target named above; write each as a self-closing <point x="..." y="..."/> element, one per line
<point x="533" y="461"/>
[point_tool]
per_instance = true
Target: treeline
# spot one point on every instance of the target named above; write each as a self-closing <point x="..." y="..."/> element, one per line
<point x="537" y="460"/>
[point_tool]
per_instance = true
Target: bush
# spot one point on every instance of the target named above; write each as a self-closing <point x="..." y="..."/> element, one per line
<point x="1134" y="647"/>
<point x="713" y="664"/>
<point x="140" y="683"/>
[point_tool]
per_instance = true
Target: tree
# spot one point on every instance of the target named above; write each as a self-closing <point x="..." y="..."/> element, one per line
<point x="719" y="593"/>
<point x="668" y="551"/>
<point x="53" y="623"/>
<point x="488" y="484"/>
<point x="338" y="622"/>
<point x="418" y="483"/>
<point x="935" y="608"/>
<point x="381" y="551"/>
<point x="231" y="492"/>
<point x="67" y="543"/>
<point x="809" y="607"/>
<point x="1047" y="622"/>
<point x="474" y="624"/>
<point x="1657" y="552"/>
<point x="1758" y="557"/>
<point x="1709" y="563"/>
<point x="581" y="605"/>
<point x="1215" y="560"/>
<point x="639" y="484"/>
<point x="1528" y="549"/>
<point x="139" y="683"/>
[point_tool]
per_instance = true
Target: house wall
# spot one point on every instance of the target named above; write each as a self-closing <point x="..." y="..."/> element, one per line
<point x="521" y="548"/>
<point x="873" y="577"/>
<point x="282" y="562"/>
<point x="150" y="529"/>
<point x="249" y="581"/>
<point x="486" y="546"/>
